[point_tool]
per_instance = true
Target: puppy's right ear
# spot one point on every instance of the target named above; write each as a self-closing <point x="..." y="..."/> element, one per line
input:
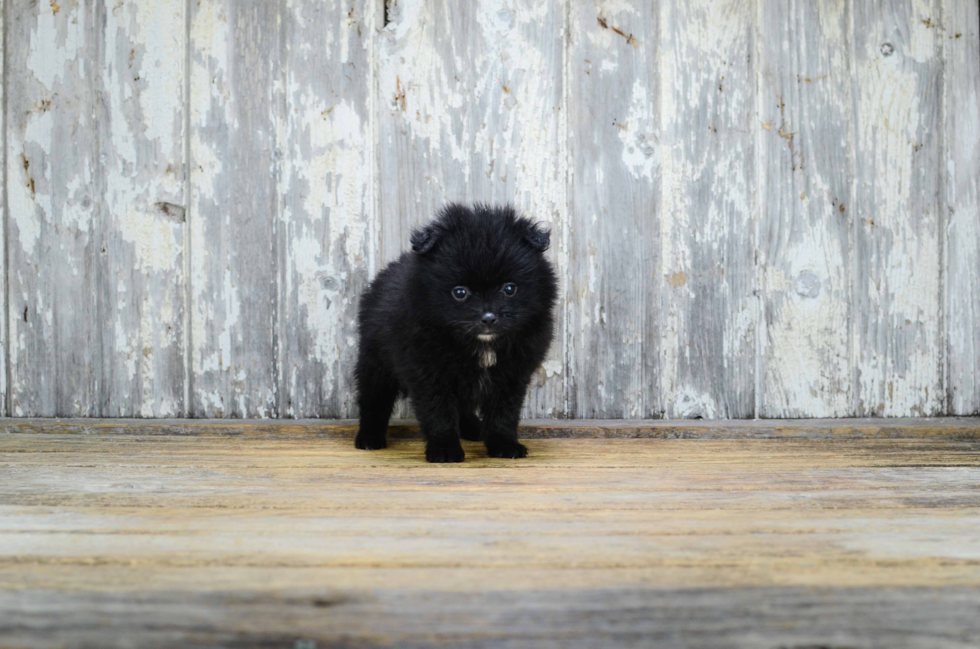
<point x="424" y="239"/>
<point x="538" y="236"/>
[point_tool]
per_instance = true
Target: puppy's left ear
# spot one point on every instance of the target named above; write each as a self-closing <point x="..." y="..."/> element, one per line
<point x="537" y="236"/>
<point x="424" y="239"/>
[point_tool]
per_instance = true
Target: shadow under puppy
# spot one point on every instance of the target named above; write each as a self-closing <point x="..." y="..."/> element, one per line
<point x="459" y="324"/>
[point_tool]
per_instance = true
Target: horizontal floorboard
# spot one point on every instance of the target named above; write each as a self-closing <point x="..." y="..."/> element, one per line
<point x="283" y="536"/>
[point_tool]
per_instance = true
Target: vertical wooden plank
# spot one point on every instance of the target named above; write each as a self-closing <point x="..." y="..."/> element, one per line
<point x="141" y="136"/>
<point x="4" y="340"/>
<point x="614" y="228"/>
<point x="962" y="141"/>
<point x="898" y="304"/>
<point x="471" y="97"/>
<point x="805" y="144"/>
<point x="328" y="210"/>
<point x="710" y="311"/>
<point x="234" y="201"/>
<point x="54" y="183"/>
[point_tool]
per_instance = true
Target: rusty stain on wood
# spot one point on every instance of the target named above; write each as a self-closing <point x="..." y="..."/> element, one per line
<point x="399" y="93"/>
<point x="629" y="37"/>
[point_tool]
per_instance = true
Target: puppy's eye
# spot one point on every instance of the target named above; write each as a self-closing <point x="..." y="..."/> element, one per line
<point x="509" y="289"/>
<point x="461" y="293"/>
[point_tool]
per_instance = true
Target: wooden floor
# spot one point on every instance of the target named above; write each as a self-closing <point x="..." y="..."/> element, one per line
<point x="129" y="535"/>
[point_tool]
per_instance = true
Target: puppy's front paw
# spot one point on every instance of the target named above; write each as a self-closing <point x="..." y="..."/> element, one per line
<point x="370" y="441"/>
<point x="506" y="448"/>
<point x="444" y="453"/>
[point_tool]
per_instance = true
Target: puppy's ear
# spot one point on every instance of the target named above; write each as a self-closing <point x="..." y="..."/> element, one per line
<point x="425" y="239"/>
<point x="537" y="236"/>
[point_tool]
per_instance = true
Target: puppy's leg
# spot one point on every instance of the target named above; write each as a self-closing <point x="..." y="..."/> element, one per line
<point x="469" y="424"/>
<point x="377" y="390"/>
<point x="501" y="415"/>
<point x="439" y="420"/>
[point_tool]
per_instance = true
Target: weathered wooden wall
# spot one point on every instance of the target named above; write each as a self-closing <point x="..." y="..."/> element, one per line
<point x="759" y="207"/>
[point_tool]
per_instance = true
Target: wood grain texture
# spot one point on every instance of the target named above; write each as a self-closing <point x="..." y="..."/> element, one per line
<point x="141" y="149"/>
<point x="613" y="292"/>
<point x="232" y="540"/>
<point x="235" y="76"/>
<point x="806" y="148"/>
<point x="327" y="189"/>
<point x="898" y="214"/>
<point x="4" y="326"/>
<point x="54" y="184"/>
<point x="710" y="311"/>
<point x="672" y="618"/>
<point x="962" y="141"/>
<point x="757" y="207"/>
<point x="475" y="117"/>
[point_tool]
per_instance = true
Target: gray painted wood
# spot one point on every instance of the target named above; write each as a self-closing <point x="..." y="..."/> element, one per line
<point x="962" y="142"/>
<point x="710" y="311"/>
<point x="234" y="251"/>
<point x="694" y="240"/>
<point x="475" y="117"/>
<point x="141" y="150"/>
<point x="898" y="216"/>
<point x="4" y="338"/>
<point x="327" y="220"/>
<point x="96" y="166"/>
<point x="805" y="136"/>
<point x="613" y="292"/>
<point x="55" y="185"/>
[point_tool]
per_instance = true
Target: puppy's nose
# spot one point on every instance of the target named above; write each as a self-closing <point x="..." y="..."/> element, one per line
<point x="488" y="318"/>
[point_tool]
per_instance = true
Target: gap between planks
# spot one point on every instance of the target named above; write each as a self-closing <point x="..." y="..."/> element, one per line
<point x="908" y="428"/>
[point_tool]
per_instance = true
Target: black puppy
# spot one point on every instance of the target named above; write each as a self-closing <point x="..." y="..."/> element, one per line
<point x="458" y="325"/>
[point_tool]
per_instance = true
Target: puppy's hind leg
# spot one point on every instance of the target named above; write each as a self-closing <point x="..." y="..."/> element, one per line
<point x="377" y="390"/>
<point x="470" y="426"/>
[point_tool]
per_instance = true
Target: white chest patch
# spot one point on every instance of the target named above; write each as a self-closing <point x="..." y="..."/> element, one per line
<point x="488" y="358"/>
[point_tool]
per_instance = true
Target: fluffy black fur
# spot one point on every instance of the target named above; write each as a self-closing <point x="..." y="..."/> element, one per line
<point x="420" y="337"/>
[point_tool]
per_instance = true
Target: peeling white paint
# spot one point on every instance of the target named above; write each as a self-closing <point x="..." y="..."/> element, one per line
<point x="24" y="215"/>
<point x="689" y="403"/>
<point x="552" y="368"/>
<point x="962" y="138"/>
<point x="805" y="177"/>
<point x="899" y="325"/>
<point x="155" y="239"/>
<point x="56" y="43"/>
<point x="614" y="190"/>
<point x="637" y="133"/>
<point x="326" y="136"/>
<point x="142" y="152"/>
<point x="485" y="119"/>
<point x="708" y="309"/>
<point x="474" y="121"/>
